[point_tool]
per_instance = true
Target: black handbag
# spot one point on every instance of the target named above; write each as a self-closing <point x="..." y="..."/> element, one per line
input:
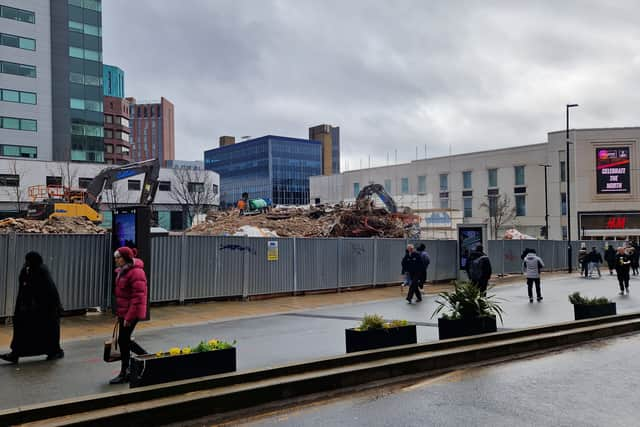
<point x="111" y="353"/>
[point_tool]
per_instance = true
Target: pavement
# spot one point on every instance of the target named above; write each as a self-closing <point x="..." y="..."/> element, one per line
<point x="270" y="332"/>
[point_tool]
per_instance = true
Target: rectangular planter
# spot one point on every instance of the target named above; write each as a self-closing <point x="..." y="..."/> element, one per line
<point x="151" y="369"/>
<point x="455" y="328"/>
<point x="379" y="338"/>
<point x="587" y="311"/>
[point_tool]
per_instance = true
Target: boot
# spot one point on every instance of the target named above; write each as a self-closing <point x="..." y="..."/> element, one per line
<point x="57" y="355"/>
<point x="9" y="357"/>
<point x="123" y="377"/>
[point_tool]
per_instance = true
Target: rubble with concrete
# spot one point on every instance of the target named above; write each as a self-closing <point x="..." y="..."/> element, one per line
<point x="54" y="225"/>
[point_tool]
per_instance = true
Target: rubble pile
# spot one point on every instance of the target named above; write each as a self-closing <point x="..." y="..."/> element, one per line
<point x="55" y="225"/>
<point x="319" y="221"/>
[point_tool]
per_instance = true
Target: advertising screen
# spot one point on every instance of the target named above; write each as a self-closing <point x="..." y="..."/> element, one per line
<point x="124" y="226"/>
<point x="468" y="239"/>
<point x="613" y="170"/>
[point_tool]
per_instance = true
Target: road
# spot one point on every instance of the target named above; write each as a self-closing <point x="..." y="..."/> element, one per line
<point x="279" y="339"/>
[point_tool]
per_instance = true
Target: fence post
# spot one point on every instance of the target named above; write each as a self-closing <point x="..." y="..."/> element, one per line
<point x="375" y="258"/>
<point x="245" y="268"/>
<point x="503" y="253"/>
<point x="11" y="278"/>
<point x="295" y="267"/>
<point x="183" y="268"/>
<point x="435" y="273"/>
<point x="340" y="241"/>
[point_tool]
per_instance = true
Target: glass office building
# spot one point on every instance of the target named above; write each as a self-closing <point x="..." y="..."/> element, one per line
<point x="274" y="167"/>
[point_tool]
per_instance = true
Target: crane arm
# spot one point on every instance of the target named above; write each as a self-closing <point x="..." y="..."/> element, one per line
<point x="378" y="189"/>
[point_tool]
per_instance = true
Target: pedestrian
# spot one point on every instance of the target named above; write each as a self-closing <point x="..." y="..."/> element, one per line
<point x="425" y="261"/>
<point x="595" y="259"/>
<point x="531" y="267"/>
<point x="623" y="262"/>
<point x="635" y="258"/>
<point x="479" y="269"/>
<point x="526" y="252"/>
<point x="610" y="257"/>
<point x="131" y="303"/>
<point x="583" y="260"/>
<point x="36" y="318"/>
<point x="405" y="270"/>
<point x="413" y="267"/>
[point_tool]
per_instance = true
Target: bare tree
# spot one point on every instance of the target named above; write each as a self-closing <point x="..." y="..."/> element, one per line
<point x="500" y="211"/>
<point x="66" y="172"/>
<point x="18" y="191"/>
<point x="194" y="190"/>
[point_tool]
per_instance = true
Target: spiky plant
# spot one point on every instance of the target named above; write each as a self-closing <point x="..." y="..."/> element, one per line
<point x="467" y="301"/>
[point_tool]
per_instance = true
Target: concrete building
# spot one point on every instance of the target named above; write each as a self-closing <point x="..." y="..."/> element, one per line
<point x="273" y="167"/>
<point x="113" y="81"/>
<point x="186" y="164"/>
<point x="18" y="175"/>
<point x="446" y="191"/>
<point x="116" y="131"/>
<point x="329" y="137"/>
<point x="152" y="130"/>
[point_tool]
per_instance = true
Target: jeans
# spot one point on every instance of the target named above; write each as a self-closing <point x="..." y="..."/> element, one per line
<point x="414" y="288"/>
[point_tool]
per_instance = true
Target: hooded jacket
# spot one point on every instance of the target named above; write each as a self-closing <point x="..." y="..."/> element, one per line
<point x="532" y="265"/>
<point x="131" y="291"/>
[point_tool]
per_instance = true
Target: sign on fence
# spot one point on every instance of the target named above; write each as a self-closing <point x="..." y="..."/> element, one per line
<point x="272" y="250"/>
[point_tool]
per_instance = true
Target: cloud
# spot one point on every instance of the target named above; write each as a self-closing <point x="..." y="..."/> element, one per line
<point x="393" y="75"/>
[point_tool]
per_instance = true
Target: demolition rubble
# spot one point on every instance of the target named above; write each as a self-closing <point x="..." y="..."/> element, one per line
<point x="319" y="221"/>
<point x="54" y="225"/>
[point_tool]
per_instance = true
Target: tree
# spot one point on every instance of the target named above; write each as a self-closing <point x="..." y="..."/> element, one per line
<point x="17" y="191"/>
<point x="194" y="190"/>
<point x="500" y="211"/>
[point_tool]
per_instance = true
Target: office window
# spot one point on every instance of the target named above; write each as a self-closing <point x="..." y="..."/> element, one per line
<point x="468" y="207"/>
<point x="444" y="182"/>
<point x="27" y="152"/>
<point x="84" y="182"/>
<point x="422" y="184"/>
<point x="18" y="14"/>
<point x="565" y="234"/>
<point x="95" y="5"/>
<point x="563" y="171"/>
<point x="519" y="172"/>
<point x="493" y="177"/>
<point x="404" y="185"/>
<point x="28" y="98"/>
<point x="17" y="69"/>
<point x="14" y="123"/>
<point x="356" y="189"/>
<point x="195" y="187"/>
<point x="79" y="27"/>
<point x="387" y="185"/>
<point x="164" y="185"/>
<point x="466" y="180"/>
<point x="444" y="203"/>
<point x="7" y="180"/>
<point x="133" y="184"/>
<point x="17" y="41"/>
<point x="108" y="147"/>
<point x="563" y="203"/>
<point x="88" y="54"/>
<point x="108" y="118"/>
<point x="54" y="180"/>
<point x="521" y="206"/>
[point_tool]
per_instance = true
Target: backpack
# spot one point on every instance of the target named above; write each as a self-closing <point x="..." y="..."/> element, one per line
<point x="475" y="269"/>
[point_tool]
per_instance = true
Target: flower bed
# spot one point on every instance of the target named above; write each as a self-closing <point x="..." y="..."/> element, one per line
<point x="374" y="332"/>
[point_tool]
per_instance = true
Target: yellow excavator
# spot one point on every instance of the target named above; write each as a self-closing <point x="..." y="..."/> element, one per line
<point x="55" y="200"/>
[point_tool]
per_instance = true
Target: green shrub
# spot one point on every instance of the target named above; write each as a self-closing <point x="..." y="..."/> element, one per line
<point x="375" y="321"/>
<point x="466" y="302"/>
<point x="576" y="298"/>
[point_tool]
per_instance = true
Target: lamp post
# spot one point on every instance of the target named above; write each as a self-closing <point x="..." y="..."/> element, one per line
<point x="546" y="202"/>
<point x="569" y="255"/>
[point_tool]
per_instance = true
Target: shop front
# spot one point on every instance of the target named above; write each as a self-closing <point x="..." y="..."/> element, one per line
<point x="609" y="225"/>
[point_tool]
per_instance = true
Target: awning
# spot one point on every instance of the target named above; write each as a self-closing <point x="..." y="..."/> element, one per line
<point x="611" y="232"/>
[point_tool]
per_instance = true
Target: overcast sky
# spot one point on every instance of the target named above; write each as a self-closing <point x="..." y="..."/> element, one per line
<point x="472" y="75"/>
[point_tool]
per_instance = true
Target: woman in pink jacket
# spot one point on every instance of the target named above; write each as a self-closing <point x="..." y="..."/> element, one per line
<point x="131" y="303"/>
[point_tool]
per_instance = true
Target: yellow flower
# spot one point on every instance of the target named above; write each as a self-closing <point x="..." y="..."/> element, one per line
<point x="174" y="351"/>
<point x="213" y="342"/>
<point x="159" y="354"/>
<point x="186" y="350"/>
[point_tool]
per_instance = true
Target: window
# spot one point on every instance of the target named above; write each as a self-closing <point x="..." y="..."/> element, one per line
<point x="404" y="185"/>
<point x="387" y="185"/>
<point x="563" y="203"/>
<point x="108" y="147"/>
<point x="133" y="184"/>
<point x="444" y="182"/>
<point x="88" y="54"/>
<point x="164" y="185"/>
<point x="422" y="184"/>
<point x="7" y="180"/>
<point x="18" y="124"/>
<point x="466" y="180"/>
<point x="444" y="203"/>
<point x="17" y="41"/>
<point x="18" y="69"/>
<point x="54" y="180"/>
<point x="468" y="207"/>
<point x="17" y="96"/>
<point x="493" y="178"/>
<point x="519" y="172"/>
<point x="108" y="118"/>
<point x="521" y="206"/>
<point x="88" y="130"/>
<point x="87" y="4"/>
<point x="18" y="14"/>
<point x="356" y="189"/>
<point x="84" y="182"/>
<point x="18" y="151"/>
<point x="195" y="187"/>
<point x="28" y="98"/>
<point x="76" y="104"/>
<point x="493" y="205"/>
<point x="79" y="27"/>
<point x="108" y="133"/>
<point x="563" y="171"/>
<point x="215" y="190"/>
<point x="565" y="234"/>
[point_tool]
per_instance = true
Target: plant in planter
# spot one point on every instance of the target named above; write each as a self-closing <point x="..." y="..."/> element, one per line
<point x="466" y="311"/>
<point x="586" y="308"/>
<point x="207" y="358"/>
<point x="375" y="332"/>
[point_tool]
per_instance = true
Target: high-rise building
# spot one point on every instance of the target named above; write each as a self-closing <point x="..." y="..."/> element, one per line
<point x="329" y="137"/>
<point x="113" y="81"/>
<point x="152" y="130"/>
<point x="116" y="131"/>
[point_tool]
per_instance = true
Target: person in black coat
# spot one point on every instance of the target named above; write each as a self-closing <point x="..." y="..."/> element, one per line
<point x="36" y="319"/>
<point x="479" y="269"/>
<point x="623" y="262"/>
<point x="610" y="257"/>
<point x="412" y="264"/>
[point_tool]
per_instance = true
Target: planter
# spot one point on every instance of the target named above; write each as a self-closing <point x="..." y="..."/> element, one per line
<point x="151" y="369"/>
<point x="379" y="338"/>
<point x="454" y="328"/>
<point x="587" y="311"/>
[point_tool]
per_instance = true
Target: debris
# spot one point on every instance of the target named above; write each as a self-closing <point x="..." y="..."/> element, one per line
<point x="55" y="225"/>
<point x="513" y="234"/>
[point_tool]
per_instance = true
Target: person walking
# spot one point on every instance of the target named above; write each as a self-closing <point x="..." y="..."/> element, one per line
<point x="623" y="262"/>
<point x="479" y="269"/>
<point x="414" y="268"/>
<point x="634" y="254"/>
<point x="595" y="259"/>
<point x="131" y="303"/>
<point x="36" y="318"/>
<point x="405" y="270"/>
<point x="583" y="260"/>
<point x="531" y="267"/>
<point x="425" y="261"/>
<point x="610" y="257"/>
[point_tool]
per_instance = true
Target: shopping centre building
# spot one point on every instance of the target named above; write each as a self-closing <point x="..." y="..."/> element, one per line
<point x="604" y="191"/>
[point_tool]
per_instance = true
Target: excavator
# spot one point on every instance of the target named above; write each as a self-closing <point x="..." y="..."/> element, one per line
<point x="364" y="201"/>
<point x="51" y="201"/>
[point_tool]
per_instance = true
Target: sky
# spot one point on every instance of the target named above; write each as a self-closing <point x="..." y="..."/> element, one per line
<point x="399" y="77"/>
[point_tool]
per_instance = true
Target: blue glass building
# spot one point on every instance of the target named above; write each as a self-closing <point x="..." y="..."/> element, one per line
<point x="113" y="81"/>
<point x="271" y="166"/>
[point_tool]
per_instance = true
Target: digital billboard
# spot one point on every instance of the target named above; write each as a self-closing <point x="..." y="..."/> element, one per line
<point x="613" y="170"/>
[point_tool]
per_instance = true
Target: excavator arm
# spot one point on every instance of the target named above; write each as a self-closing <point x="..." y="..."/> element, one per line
<point x="106" y="178"/>
<point x="379" y="190"/>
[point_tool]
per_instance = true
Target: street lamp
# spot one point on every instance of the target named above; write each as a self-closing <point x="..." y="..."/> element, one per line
<point x="546" y="203"/>
<point x="569" y="255"/>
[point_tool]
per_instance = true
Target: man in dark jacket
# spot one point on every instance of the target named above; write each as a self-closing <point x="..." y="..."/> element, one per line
<point x="424" y="257"/>
<point x="479" y="268"/>
<point x="610" y="257"/>
<point x="595" y="259"/>
<point x="412" y="264"/>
